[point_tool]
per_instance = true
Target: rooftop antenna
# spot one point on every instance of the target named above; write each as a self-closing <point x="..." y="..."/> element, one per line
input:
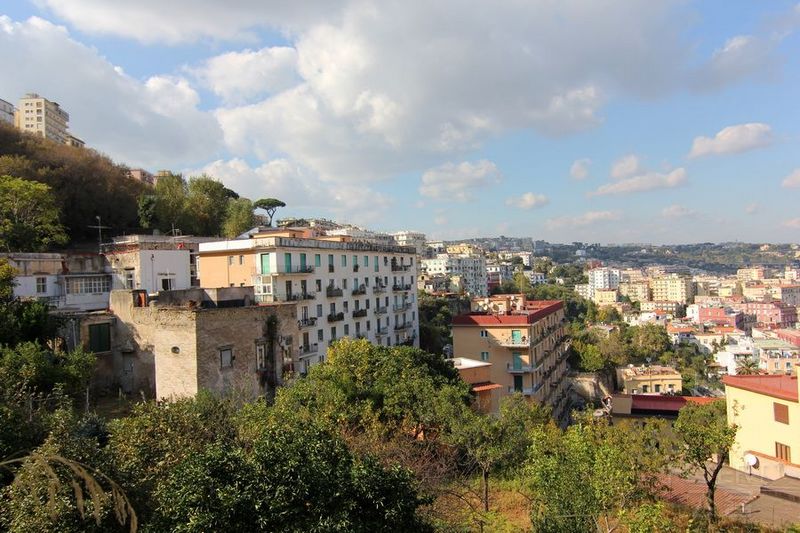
<point x="99" y="227"/>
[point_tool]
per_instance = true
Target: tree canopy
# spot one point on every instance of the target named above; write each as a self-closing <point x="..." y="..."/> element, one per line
<point x="29" y="218"/>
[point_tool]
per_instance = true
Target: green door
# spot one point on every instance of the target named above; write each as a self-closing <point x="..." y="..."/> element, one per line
<point x="516" y="336"/>
<point x="517" y="360"/>
<point x="265" y="263"/>
<point x="287" y="262"/>
<point x="302" y="261"/>
<point x="517" y="383"/>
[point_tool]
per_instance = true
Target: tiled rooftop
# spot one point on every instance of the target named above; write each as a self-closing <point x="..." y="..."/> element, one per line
<point x="778" y="386"/>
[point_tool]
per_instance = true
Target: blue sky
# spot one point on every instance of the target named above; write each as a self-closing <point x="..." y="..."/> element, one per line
<point x="452" y="120"/>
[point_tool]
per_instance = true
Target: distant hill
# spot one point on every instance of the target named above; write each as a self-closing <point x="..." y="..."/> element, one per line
<point x="86" y="184"/>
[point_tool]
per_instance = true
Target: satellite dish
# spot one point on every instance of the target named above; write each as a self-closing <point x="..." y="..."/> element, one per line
<point x="751" y="460"/>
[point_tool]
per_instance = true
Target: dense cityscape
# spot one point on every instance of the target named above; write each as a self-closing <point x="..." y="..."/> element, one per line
<point x="226" y="304"/>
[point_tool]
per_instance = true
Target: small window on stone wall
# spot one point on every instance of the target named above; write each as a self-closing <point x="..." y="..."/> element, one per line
<point x="226" y="357"/>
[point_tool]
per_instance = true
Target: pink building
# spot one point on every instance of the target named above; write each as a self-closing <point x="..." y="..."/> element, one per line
<point x="770" y="314"/>
<point x="720" y="316"/>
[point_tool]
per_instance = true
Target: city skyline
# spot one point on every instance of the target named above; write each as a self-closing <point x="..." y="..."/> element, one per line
<point x="662" y="122"/>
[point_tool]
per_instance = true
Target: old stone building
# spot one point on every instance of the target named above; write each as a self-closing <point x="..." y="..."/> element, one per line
<point x="215" y="339"/>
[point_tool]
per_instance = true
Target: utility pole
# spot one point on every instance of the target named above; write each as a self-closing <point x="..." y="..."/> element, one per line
<point x="99" y="227"/>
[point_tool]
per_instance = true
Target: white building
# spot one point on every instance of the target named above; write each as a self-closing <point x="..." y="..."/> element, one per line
<point x="604" y="278"/>
<point x="6" y="112"/>
<point x="410" y="238"/>
<point x="536" y="278"/>
<point x="470" y="268"/>
<point x="497" y="273"/>
<point x="343" y="287"/>
<point x="151" y="270"/>
<point x="527" y="257"/>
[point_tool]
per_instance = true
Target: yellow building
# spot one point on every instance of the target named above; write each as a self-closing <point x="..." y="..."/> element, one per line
<point x="527" y="348"/>
<point x="672" y="288"/>
<point x="479" y="375"/>
<point x="603" y="297"/>
<point x="767" y="413"/>
<point x="637" y="291"/>
<point x="42" y="117"/>
<point x="649" y="380"/>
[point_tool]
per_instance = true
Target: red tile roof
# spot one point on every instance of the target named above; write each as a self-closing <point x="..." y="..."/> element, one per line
<point x="656" y="402"/>
<point x="777" y="386"/>
<point x="535" y="311"/>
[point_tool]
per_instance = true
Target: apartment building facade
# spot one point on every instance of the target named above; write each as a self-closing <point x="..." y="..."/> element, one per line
<point x="653" y="379"/>
<point x="341" y="287"/>
<point x="526" y="344"/>
<point x="672" y="288"/>
<point x="6" y="112"/>
<point x="469" y="267"/>
<point x="40" y="116"/>
<point x="414" y="239"/>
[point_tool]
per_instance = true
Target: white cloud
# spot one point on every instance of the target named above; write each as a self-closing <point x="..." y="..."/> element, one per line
<point x="677" y="211"/>
<point x="580" y="169"/>
<point x="239" y="77"/>
<point x="733" y="140"/>
<point x="155" y="123"/>
<point x="528" y="200"/>
<point x="586" y="219"/>
<point x="752" y="209"/>
<point x="648" y="181"/>
<point x="625" y="167"/>
<point x="792" y="180"/>
<point x="741" y="57"/>
<point x="792" y="223"/>
<point x="457" y="181"/>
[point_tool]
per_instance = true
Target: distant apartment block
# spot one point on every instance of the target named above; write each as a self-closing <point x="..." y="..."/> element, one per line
<point x="637" y="291"/>
<point x="342" y="287"/>
<point x="6" y="112"/>
<point x="463" y="263"/>
<point x="604" y="278"/>
<point x="525" y="342"/>
<point x="649" y="380"/>
<point x="672" y="288"/>
<point x="751" y="274"/>
<point x="140" y="174"/>
<point x="40" y="116"/>
<point x="769" y="314"/>
<point x="410" y="238"/>
<point x="604" y="297"/>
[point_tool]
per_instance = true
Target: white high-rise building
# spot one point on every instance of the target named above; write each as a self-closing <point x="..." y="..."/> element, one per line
<point x="42" y="117"/>
<point x="604" y="278"/>
<point x="470" y="268"/>
<point x="410" y="238"/>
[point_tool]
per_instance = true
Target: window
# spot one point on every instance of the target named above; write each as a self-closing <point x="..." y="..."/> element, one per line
<point x="261" y="355"/>
<point x="783" y="452"/>
<point x="781" y="412"/>
<point x="129" y="278"/>
<point x="319" y="310"/>
<point x="645" y="389"/>
<point x="344" y="260"/>
<point x="366" y="260"/>
<point x="346" y="306"/>
<point x="330" y="259"/>
<point x="230" y="259"/>
<point x="100" y="337"/>
<point x="320" y="335"/>
<point x="241" y="259"/>
<point x="376" y="263"/>
<point x="517" y="383"/>
<point x="166" y="284"/>
<point x="333" y="308"/>
<point x="484" y="333"/>
<point x="355" y="260"/>
<point x="347" y="329"/>
<point x="317" y="260"/>
<point x="484" y="356"/>
<point x="333" y="333"/>
<point x="41" y="285"/>
<point x="88" y="285"/>
<point x="319" y="285"/>
<point x="226" y="357"/>
<point x="658" y="387"/>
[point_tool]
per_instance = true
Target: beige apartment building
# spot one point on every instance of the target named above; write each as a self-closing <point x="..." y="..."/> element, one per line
<point x="526" y="345"/>
<point x="649" y="380"/>
<point x="342" y="287"/>
<point x="672" y="288"/>
<point x="40" y="116"/>
<point x="637" y="291"/>
<point x="604" y="297"/>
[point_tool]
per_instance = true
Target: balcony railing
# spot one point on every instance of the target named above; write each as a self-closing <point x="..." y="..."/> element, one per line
<point x="401" y="287"/>
<point x="519" y="369"/>
<point x="401" y="327"/>
<point x="377" y="289"/>
<point x="360" y="290"/>
<point x="402" y="307"/>
<point x="381" y="331"/>
<point x="361" y="336"/>
<point x="358" y="313"/>
<point x="300" y="296"/>
<point x="527" y="391"/>
<point x="309" y="349"/>
<point x="400" y="268"/>
<point x="336" y="317"/>
<point x="510" y="342"/>
<point x="381" y="310"/>
<point x="307" y="322"/>
<point x="307" y="269"/>
<point x="332" y="292"/>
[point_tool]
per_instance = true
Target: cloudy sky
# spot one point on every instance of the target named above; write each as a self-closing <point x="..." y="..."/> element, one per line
<point x="608" y="121"/>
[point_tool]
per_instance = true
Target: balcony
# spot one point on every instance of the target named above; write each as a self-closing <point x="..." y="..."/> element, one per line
<point x="333" y="292"/>
<point x="400" y="268"/>
<point x="527" y="391"/>
<point x="361" y="336"/>
<point x="309" y="349"/>
<point x="298" y="269"/>
<point x="380" y="332"/>
<point x="299" y="296"/>
<point x="402" y="307"/>
<point x="307" y="322"/>
<point x="377" y="289"/>
<point x="358" y="313"/>
<point x="381" y="310"/>
<point x="401" y="287"/>
<point x="336" y="317"/>
<point x="360" y="290"/>
<point x="519" y="369"/>
<point x="401" y="327"/>
<point x="510" y="342"/>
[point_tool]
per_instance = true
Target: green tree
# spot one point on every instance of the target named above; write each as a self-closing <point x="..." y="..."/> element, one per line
<point x="147" y="210"/>
<point x="270" y="205"/>
<point x="8" y="276"/>
<point x="706" y="436"/>
<point x="171" y="195"/>
<point x="609" y="315"/>
<point x="747" y="367"/>
<point x="649" y="341"/>
<point x="238" y="217"/>
<point x="28" y="216"/>
<point x="206" y="205"/>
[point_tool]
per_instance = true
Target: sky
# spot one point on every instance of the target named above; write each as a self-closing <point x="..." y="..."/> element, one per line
<point x="611" y="121"/>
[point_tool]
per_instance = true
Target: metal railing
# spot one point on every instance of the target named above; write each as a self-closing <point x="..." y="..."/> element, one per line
<point x="298" y="269"/>
<point x="336" y="317"/>
<point x="519" y="369"/>
<point x="307" y="322"/>
<point x="310" y="348"/>
<point x="381" y="310"/>
<point x="359" y="313"/>
<point x="332" y="292"/>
